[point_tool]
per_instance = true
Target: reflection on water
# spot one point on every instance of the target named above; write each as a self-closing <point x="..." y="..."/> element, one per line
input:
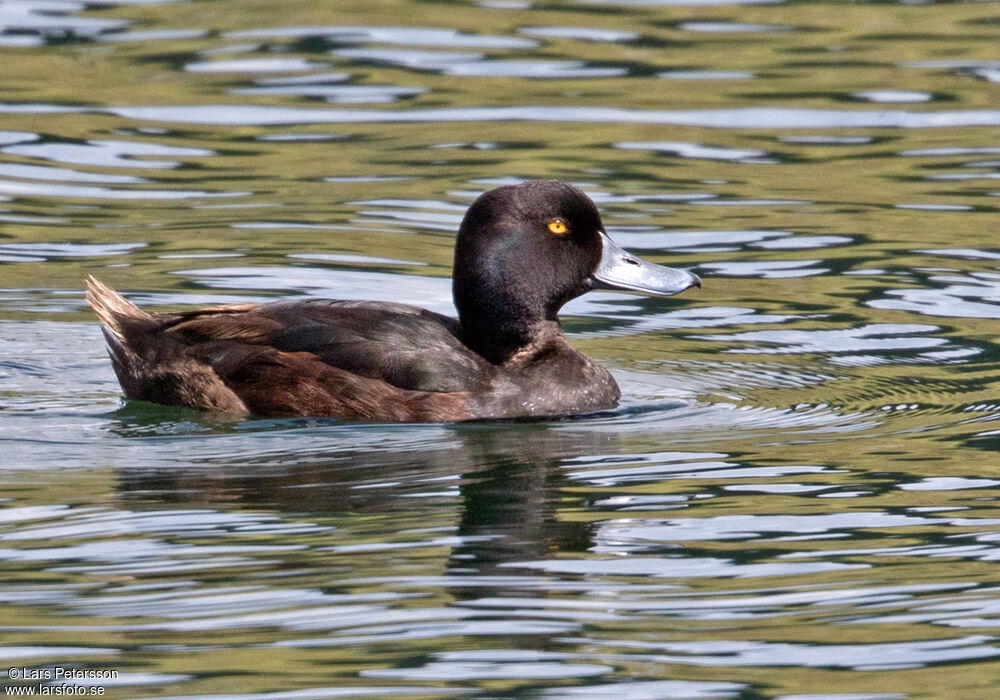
<point x="796" y="497"/>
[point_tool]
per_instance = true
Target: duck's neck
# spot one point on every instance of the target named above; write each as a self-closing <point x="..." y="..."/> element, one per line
<point x="503" y="331"/>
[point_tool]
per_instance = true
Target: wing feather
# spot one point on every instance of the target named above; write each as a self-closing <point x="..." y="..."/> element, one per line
<point x="404" y="346"/>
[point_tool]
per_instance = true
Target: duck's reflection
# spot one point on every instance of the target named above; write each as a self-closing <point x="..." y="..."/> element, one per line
<point x="509" y="505"/>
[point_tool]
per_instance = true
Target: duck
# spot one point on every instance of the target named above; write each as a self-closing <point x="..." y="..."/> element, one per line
<point x="522" y="251"/>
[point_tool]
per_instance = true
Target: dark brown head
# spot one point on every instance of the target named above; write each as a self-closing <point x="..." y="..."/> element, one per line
<point x="525" y="250"/>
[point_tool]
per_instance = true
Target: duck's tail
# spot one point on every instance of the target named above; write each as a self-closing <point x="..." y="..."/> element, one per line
<point x="125" y="329"/>
<point x="150" y="364"/>
<point x="112" y="308"/>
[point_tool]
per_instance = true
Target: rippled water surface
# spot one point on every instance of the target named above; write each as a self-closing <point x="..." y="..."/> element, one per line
<point x="797" y="497"/>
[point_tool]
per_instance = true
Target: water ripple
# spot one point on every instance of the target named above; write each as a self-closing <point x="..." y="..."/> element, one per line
<point x="409" y="36"/>
<point x="32" y="189"/>
<point x="498" y="665"/>
<point x="50" y="19"/>
<point x="254" y="65"/>
<point x="742" y="118"/>
<point x="108" y="153"/>
<point x="698" y="151"/>
<point x="904" y="654"/>
<point x="954" y="296"/>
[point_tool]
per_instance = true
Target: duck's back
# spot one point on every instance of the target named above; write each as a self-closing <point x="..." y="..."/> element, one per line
<point x="405" y="346"/>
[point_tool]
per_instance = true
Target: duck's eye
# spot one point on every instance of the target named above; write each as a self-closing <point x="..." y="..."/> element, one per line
<point x="558" y="227"/>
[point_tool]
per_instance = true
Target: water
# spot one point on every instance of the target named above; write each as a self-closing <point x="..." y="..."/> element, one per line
<point x="795" y="499"/>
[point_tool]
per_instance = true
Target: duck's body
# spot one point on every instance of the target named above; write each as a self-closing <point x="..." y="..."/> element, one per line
<point x="352" y="360"/>
<point x="522" y="252"/>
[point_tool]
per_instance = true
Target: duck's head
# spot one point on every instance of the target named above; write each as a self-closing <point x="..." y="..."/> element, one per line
<point x="524" y="250"/>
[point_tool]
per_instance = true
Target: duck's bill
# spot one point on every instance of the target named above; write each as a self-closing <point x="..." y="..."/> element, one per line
<point x="619" y="269"/>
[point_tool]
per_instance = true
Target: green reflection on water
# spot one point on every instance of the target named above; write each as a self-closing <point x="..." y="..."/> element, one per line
<point x="840" y="364"/>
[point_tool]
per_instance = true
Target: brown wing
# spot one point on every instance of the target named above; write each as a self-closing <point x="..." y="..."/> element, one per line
<point x="406" y="347"/>
<point x="271" y="382"/>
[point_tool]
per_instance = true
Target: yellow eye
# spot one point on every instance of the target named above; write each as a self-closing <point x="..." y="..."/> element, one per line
<point x="558" y="227"/>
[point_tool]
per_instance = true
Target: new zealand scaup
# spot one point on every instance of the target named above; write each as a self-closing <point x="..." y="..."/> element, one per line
<point x="522" y="252"/>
